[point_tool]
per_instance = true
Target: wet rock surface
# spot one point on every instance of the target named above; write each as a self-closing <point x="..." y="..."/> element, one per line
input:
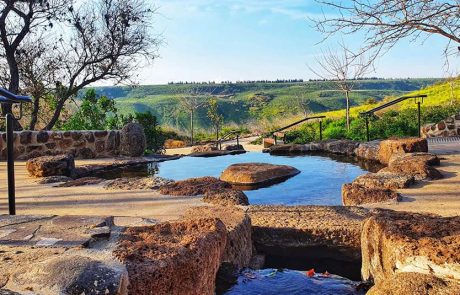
<point x="61" y="165"/>
<point x="195" y="186"/>
<point x="257" y="173"/>
<point x="386" y="180"/>
<point x="227" y="197"/>
<point x="238" y="249"/>
<point x="355" y="194"/>
<point x="368" y="150"/>
<point x="137" y="183"/>
<point x="173" y="258"/>
<point x="390" y="147"/>
<point x="286" y="228"/>
<point x="409" y="283"/>
<point x="394" y="242"/>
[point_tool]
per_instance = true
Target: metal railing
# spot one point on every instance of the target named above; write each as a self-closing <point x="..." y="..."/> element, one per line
<point x="9" y="98"/>
<point x="371" y="113"/>
<point x="274" y="133"/>
<point x="226" y="138"/>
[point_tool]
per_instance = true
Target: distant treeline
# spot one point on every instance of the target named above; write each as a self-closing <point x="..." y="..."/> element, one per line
<point x="276" y="81"/>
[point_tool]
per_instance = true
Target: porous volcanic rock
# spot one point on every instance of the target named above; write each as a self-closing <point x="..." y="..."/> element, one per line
<point x="385" y="180"/>
<point x="227" y="197"/>
<point x="391" y="147"/>
<point x="411" y="283"/>
<point x="394" y="242"/>
<point x="289" y="149"/>
<point x="418" y="165"/>
<point x="195" y="186"/>
<point x="173" y="258"/>
<point x="137" y="183"/>
<point x="204" y="148"/>
<point x="368" y="150"/>
<point x="337" y="229"/>
<point x="354" y="194"/>
<point x="238" y="250"/>
<point x="257" y="173"/>
<point x="233" y="147"/>
<point x="132" y="140"/>
<point x="342" y="147"/>
<point x="61" y="165"/>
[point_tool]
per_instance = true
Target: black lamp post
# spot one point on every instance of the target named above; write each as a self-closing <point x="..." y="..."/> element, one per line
<point x="7" y="97"/>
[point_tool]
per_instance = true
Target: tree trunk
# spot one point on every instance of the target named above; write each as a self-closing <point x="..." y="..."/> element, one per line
<point x="12" y="87"/>
<point x="347" y="94"/>
<point x="34" y="114"/>
<point x="56" y="114"/>
<point x="191" y="127"/>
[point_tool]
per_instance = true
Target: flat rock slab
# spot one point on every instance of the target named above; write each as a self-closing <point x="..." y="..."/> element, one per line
<point x="227" y="197"/>
<point x="318" y="227"/>
<point x="173" y="258"/>
<point x="418" y="165"/>
<point x="61" y="165"/>
<point x="396" y="242"/>
<point x="137" y="183"/>
<point x="195" y="186"/>
<point x="409" y="283"/>
<point x="354" y="195"/>
<point x="386" y="180"/>
<point x="257" y="173"/>
<point x="52" y="231"/>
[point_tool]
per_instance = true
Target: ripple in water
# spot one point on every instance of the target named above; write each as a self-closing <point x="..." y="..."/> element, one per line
<point x="291" y="282"/>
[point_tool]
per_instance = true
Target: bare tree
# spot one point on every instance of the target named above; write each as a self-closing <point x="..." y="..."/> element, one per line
<point x="386" y="22"/>
<point x="453" y="81"/>
<point x="301" y="100"/>
<point x="94" y="41"/>
<point x="19" y="19"/>
<point x="193" y="99"/>
<point x="344" y="69"/>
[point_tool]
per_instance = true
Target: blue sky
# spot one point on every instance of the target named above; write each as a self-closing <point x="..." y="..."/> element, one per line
<point x="265" y="39"/>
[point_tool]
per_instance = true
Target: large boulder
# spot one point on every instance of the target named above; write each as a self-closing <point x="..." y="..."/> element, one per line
<point x="391" y="147"/>
<point x="137" y="183"/>
<point x="289" y="149"/>
<point x="238" y="250"/>
<point x="257" y="173"/>
<point x="290" y="229"/>
<point x="132" y="140"/>
<point x="418" y="165"/>
<point x="394" y="242"/>
<point x="355" y="194"/>
<point x="386" y="180"/>
<point x="368" y="150"/>
<point x="227" y="197"/>
<point x="61" y="165"/>
<point x="411" y="283"/>
<point x="341" y="147"/>
<point x="173" y="258"/>
<point x="195" y="186"/>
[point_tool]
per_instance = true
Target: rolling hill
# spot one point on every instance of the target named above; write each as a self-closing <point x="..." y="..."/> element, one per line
<point x="243" y="102"/>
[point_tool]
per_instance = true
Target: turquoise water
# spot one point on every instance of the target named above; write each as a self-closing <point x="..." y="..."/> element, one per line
<point x="319" y="182"/>
<point x="290" y="282"/>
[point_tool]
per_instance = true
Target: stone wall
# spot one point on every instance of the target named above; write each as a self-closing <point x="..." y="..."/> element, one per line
<point x="82" y="144"/>
<point x="445" y="128"/>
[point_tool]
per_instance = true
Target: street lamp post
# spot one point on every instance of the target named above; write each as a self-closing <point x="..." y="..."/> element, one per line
<point x="7" y="97"/>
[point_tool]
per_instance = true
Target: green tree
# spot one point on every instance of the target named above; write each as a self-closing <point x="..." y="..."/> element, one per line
<point x="214" y="115"/>
<point x="94" y="113"/>
<point x="154" y="135"/>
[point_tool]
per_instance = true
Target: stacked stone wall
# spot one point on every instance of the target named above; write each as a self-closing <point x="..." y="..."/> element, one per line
<point x="81" y="144"/>
<point x="445" y="128"/>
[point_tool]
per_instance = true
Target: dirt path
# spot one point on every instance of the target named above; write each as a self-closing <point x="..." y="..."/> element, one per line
<point x="33" y="198"/>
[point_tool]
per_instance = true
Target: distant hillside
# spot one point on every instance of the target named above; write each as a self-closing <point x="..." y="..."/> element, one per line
<point x="242" y="102"/>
